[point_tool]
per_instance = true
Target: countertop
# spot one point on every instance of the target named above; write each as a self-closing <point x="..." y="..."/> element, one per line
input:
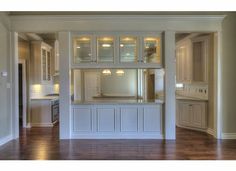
<point x="179" y="97"/>
<point x="46" y="98"/>
<point x="118" y="101"/>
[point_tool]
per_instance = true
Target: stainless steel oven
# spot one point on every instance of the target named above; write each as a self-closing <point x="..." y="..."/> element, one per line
<point x="55" y="110"/>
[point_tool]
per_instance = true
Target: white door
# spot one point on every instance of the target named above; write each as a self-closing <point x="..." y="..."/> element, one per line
<point x="91" y="85"/>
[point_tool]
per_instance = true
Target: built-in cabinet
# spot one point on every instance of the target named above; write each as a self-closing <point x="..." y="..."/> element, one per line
<point x="43" y="113"/>
<point x="191" y="114"/>
<point x="115" y="50"/>
<point x="117" y="121"/>
<point x="40" y="68"/>
<point x="192" y="60"/>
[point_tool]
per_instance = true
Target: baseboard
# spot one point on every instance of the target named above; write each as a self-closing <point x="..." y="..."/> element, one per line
<point x="211" y="132"/>
<point x="28" y="125"/>
<point x="5" y="139"/>
<point x="228" y="136"/>
<point x="116" y="136"/>
<point x="41" y="124"/>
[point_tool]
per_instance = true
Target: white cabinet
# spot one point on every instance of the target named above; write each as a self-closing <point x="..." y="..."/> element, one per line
<point x="117" y="121"/>
<point x="200" y="55"/>
<point x="192" y="59"/>
<point x="184" y="61"/>
<point x="40" y="68"/>
<point x="129" y="119"/>
<point x="82" y="119"/>
<point x="192" y="114"/>
<point x="105" y="119"/>
<point x="114" y="50"/>
<point x="41" y="113"/>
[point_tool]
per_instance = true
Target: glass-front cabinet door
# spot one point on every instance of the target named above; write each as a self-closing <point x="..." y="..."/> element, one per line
<point x="105" y="49"/>
<point x="82" y="49"/>
<point x="128" y="49"/>
<point x="152" y="50"/>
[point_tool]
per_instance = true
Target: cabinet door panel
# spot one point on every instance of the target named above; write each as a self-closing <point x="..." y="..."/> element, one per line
<point x="152" y="119"/>
<point x="106" y="119"/>
<point x="82" y="119"/>
<point x="184" y="114"/>
<point x="129" y="119"/>
<point x="198" y="116"/>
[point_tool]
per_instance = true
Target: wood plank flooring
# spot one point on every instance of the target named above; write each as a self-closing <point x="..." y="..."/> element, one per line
<point x="44" y="144"/>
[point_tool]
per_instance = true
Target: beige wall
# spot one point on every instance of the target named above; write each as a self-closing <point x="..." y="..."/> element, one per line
<point x="5" y="107"/>
<point x="24" y="50"/>
<point x="228" y="81"/>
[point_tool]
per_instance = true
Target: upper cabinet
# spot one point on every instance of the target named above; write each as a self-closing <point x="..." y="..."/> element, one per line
<point x="40" y="68"/>
<point x="113" y="50"/>
<point x="200" y="59"/>
<point x="192" y="59"/>
<point x="128" y="49"/>
<point x="152" y="50"/>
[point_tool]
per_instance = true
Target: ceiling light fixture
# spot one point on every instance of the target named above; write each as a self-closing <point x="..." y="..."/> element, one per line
<point x="106" y="45"/>
<point x="120" y="72"/>
<point x="106" y="72"/>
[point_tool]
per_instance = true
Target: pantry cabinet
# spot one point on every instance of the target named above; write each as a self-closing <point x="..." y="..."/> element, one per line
<point x="40" y="63"/>
<point x="115" y="50"/>
<point x="184" y="61"/>
<point x="192" y="60"/>
<point x="192" y="114"/>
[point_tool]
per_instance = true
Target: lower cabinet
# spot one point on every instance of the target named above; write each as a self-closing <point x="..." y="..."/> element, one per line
<point x="192" y="114"/>
<point x="117" y="121"/>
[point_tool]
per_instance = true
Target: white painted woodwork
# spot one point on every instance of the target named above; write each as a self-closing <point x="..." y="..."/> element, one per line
<point x="165" y="23"/>
<point x="105" y="119"/>
<point x="41" y="113"/>
<point x="65" y="98"/>
<point x="40" y="70"/>
<point x="184" y="61"/>
<point x="116" y="63"/>
<point x="14" y="83"/>
<point x="192" y="114"/>
<point x="117" y="121"/>
<point x="151" y="115"/>
<point x="170" y="85"/>
<point x="82" y="119"/>
<point x="200" y="55"/>
<point x="129" y="119"/>
<point x="192" y="59"/>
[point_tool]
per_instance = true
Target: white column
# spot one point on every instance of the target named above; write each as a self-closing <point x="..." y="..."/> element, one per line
<point x="169" y="85"/>
<point x="218" y="94"/>
<point x="14" y="84"/>
<point x="64" y="68"/>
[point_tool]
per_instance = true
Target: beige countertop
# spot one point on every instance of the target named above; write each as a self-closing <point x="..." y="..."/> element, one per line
<point x="179" y="97"/>
<point x="118" y="101"/>
<point x="46" y="98"/>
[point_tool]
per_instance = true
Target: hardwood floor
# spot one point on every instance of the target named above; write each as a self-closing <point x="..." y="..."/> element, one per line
<point x="44" y="144"/>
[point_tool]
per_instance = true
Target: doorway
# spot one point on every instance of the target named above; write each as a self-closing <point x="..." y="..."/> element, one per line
<point x="196" y="54"/>
<point x="22" y="93"/>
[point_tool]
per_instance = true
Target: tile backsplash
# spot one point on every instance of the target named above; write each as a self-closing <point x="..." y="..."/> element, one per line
<point x="194" y="90"/>
<point x="40" y="90"/>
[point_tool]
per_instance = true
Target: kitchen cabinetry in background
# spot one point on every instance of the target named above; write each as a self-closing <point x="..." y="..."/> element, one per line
<point x="200" y="56"/>
<point x="192" y="60"/>
<point x="192" y="114"/>
<point x="40" y="63"/>
<point x="55" y="56"/>
<point x="116" y="50"/>
<point x="184" y="61"/>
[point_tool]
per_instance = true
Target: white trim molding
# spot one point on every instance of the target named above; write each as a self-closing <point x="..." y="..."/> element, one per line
<point x="211" y="132"/>
<point x="5" y="139"/>
<point x="228" y="136"/>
